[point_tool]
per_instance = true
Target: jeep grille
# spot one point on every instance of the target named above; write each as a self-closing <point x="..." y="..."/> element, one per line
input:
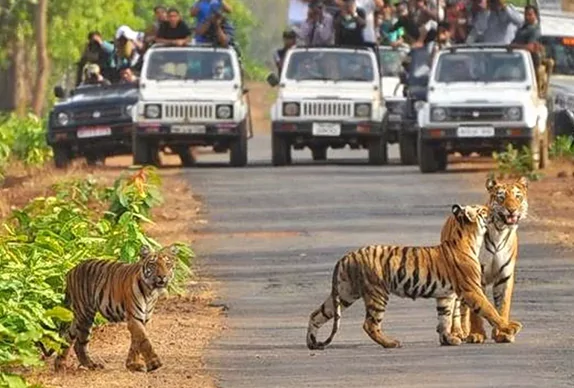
<point x="476" y="114"/>
<point x="327" y="109"/>
<point x="85" y="116"/>
<point x="188" y="111"/>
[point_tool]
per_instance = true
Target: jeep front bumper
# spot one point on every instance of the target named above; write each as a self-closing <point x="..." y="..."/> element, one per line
<point x="198" y="133"/>
<point x="308" y="129"/>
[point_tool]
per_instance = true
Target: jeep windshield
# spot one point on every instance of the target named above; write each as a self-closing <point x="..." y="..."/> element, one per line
<point x="480" y="66"/>
<point x="174" y="64"/>
<point x="330" y="65"/>
<point x="561" y="49"/>
<point x="391" y="62"/>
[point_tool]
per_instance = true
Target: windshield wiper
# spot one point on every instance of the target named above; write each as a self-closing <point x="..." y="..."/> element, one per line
<point x="317" y="79"/>
<point x="352" y="79"/>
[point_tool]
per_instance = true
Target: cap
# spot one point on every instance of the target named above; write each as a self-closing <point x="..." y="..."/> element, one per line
<point x="92" y="68"/>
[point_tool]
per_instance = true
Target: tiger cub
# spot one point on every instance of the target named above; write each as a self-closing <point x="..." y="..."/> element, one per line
<point x="373" y="272"/>
<point x="508" y="204"/>
<point x="120" y="292"/>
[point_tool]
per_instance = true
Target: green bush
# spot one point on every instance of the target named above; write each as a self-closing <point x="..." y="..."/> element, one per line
<point x="515" y="163"/>
<point x="562" y="148"/>
<point x="51" y="235"/>
<point x="23" y="139"/>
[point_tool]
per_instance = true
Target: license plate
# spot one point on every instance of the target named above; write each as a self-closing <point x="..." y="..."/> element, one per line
<point x="475" y="132"/>
<point x="326" y="129"/>
<point x="188" y="129"/>
<point x="394" y="117"/>
<point x="94" y="132"/>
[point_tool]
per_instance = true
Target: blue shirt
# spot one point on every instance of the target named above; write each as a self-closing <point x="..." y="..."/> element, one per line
<point x="205" y="7"/>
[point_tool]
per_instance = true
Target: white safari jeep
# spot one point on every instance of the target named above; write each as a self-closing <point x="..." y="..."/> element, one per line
<point x="191" y="96"/>
<point x="481" y="98"/>
<point x="328" y="97"/>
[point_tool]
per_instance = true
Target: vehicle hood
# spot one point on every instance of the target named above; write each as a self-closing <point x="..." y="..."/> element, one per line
<point x="562" y="84"/>
<point x="389" y="85"/>
<point x="103" y="97"/>
<point x="189" y="90"/>
<point x="328" y="90"/>
<point x="469" y="93"/>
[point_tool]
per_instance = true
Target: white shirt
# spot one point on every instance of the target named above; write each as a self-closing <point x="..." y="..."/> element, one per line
<point x="369" y="31"/>
<point x="297" y="12"/>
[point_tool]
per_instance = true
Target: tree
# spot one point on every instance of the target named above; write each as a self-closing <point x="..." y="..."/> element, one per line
<point x="43" y="68"/>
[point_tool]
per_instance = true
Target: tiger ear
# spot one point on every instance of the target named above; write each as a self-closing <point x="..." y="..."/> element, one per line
<point x="523" y="181"/>
<point x="144" y="251"/>
<point x="490" y="184"/>
<point x="456" y="209"/>
<point x="174" y="250"/>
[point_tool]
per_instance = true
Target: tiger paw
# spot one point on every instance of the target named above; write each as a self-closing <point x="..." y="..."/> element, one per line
<point x="505" y="334"/>
<point x="450" y="340"/>
<point x="476" y="338"/>
<point x="153" y="364"/>
<point x="136" y="366"/>
<point x="92" y="365"/>
<point x="458" y="332"/>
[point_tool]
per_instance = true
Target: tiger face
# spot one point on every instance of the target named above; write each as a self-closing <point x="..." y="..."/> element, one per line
<point x="158" y="267"/>
<point x="472" y="215"/>
<point x="508" y="201"/>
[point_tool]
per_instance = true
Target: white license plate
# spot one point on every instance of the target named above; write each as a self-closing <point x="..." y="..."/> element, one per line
<point x="475" y="132"/>
<point x="94" y="132"/>
<point x="326" y="129"/>
<point x="394" y="117"/>
<point x="188" y="129"/>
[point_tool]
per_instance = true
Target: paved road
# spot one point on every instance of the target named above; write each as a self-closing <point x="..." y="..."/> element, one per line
<point x="276" y="235"/>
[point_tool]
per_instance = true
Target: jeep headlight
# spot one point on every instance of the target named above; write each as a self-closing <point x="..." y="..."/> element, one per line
<point x="224" y="111"/>
<point x="362" y="110"/>
<point x="152" y="111"/>
<point x="513" y="114"/>
<point x="63" y="118"/>
<point x="419" y="105"/>
<point x="438" y="114"/>
<point x="128" y="109"/>
<point x="290" y="109"/>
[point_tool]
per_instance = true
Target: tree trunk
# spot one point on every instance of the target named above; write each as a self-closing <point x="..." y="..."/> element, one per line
<point x="43" y="69"/>
<point x="19" y="75"/>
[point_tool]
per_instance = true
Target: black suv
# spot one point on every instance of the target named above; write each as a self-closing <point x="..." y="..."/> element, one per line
<point x="94" y="122"/>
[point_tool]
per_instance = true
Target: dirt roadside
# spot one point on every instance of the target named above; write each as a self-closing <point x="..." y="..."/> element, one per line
<point x="182" y="326"/>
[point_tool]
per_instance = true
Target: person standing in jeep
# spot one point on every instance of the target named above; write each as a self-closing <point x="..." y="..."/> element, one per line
<point x="350" y="22"/>
<point x="174" y="31"/>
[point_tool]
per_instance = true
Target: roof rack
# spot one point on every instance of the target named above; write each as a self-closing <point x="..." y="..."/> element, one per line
<point x="190" y="45"/>
<point x="480" y="46"/>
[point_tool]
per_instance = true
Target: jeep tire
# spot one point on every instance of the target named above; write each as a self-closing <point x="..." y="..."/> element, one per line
<point x="319" y="153"/>
<point x="408" y="148"/>
<point x="144" y="152"/>
<point x="378" y="151"/>
<point x="431" y="157"/>
<point x="62" y="156"/>
<point x="238" y="149"/>
<point x="280" y="150"/>
<point x="544" y="149"/>
<point x="539" y="151"/>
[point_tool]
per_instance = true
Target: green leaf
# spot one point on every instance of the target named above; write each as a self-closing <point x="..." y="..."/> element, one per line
<point x="62" y="313"/>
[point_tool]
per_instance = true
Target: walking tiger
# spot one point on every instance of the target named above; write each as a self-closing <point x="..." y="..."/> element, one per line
<point x="120" y="292"/>
<point x="508" y="204"/>
<point x="442" y="272"/>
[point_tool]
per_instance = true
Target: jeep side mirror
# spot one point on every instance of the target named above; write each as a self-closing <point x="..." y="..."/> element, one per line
<point x="272" y="79"/>
<point x="59" y="92"/>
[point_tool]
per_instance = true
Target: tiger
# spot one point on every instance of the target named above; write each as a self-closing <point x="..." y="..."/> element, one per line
<point x="119" y="292"/>
<point x="508" y="204"/>
<point x="443" y="271"/>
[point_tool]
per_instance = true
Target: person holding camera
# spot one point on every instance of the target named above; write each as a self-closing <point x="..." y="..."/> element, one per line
<point x="93" y="76"/>
<point x="203" y="10"/>
<point x="216" y="29"/>
<point x="289" y="41"/>
<point x="497" y="23"/>
<point x="350" y="22"/>
<point x="97" y="51"/>
<point x="318" y="28"/>
<point x="174" y="31"/>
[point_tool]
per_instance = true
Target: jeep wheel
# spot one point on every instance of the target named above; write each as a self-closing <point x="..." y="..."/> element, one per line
<point x="408" y="148"/>
<point x="431" y="157"/>
<point x="280" y="151"/>
<point x="378" y="151"/>
<point x="61" y="156"/>
<point x="93" y="159"/>
<point x="238" y="149"/>
<point x="144" y="152"/>
<point x="185" y="155"/>
<point x="319" y="153"/>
